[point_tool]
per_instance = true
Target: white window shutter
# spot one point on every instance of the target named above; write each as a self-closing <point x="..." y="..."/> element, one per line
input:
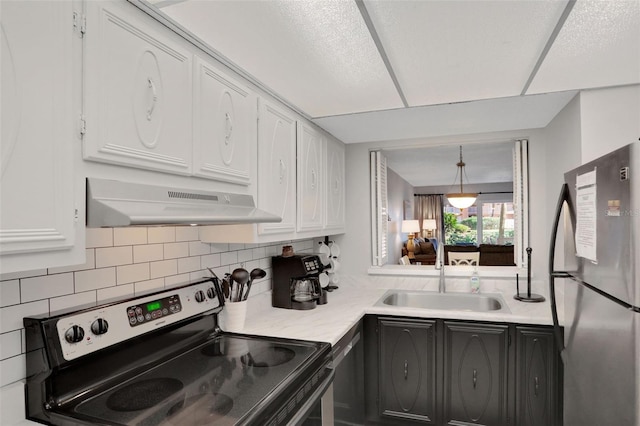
<point x="380" y="218"/>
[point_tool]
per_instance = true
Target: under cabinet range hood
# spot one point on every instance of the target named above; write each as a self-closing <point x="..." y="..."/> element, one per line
<point x="112" y="203"/>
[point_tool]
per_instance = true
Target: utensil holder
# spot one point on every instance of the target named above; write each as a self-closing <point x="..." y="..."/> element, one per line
<point x="233" y="316"/>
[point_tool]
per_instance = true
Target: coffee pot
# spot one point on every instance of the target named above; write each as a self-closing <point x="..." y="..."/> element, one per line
<point x="304" y="290"/>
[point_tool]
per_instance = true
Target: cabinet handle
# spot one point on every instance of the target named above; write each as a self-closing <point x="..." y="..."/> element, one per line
<point x="283" y="170"/>
<point x="406" y="369"/>
<point x="313" y="178"/>
<point x="475" y="377"/>
<point x="152" y="86"/>
<point x="336" y="185"/>
<point x="228" y="128"/>
<point x="535" y="386"/>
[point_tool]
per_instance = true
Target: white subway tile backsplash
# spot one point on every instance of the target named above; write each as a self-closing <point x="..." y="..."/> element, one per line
<point x="10" y="344"/>
<point x="77" y="301"/>
<point x="111" y="294"/>
<point x="236" y="246"/>
<point x="23" y="274"/>
<point x="90" y="263"/>
<point x="12" y="369"/>
<point x="45" y="287"/>
<point x="150" y="286"/>
<point x="131" y="273"/>
<point x="176" y="250"/>
<point x="129" y="236"/>
<point x="196" y="248"/>
<point x="188" y="264"/>
<point x="162" y="268"/>
<point x="161" y="234"/>
<point x="187" y="233"/>
<point x="259" y="252"/>
<point x="219" y="247"/>
<point x="9" y="293"/>
<point x="99" y="237"/>
<point x="178" y="280"/>
<point x="11" y="316"/>
<point x="210" y="260"/>
<point x="148" y="253"/>
<point x="229" y="258"/>
<point x="114" y="256"/>
<point x="245" y="255"/>
<point x="95" y="279"/>
<point x="12" y="404"/>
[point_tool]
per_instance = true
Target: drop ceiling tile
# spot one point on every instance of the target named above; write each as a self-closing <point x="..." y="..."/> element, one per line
<point x="456" y="51"/>
<point x="318" y="55"/>
<point x="598" y="46"/>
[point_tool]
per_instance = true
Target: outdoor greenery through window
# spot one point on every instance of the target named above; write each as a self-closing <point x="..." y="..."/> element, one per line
<point x="494" y="226"/>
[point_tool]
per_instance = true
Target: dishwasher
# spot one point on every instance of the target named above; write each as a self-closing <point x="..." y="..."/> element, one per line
<point x="348" y="389"/>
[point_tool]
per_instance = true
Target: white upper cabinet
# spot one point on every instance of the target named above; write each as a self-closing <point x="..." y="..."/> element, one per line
<point x="335" y="189"/>
<point x="41" y="199"/>
<point x="310" y="147"/>
<point x="224" y="126"/>
<point x="277" y="167"/>
<point x="138" y="91"/>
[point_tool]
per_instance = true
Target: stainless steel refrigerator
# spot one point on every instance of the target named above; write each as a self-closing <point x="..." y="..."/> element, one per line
<point x="597" y="220"/>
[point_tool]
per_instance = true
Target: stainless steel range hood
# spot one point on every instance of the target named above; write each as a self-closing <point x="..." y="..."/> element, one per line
<point x="116" y="203"/>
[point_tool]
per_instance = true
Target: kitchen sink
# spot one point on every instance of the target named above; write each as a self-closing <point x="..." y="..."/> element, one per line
<point x="445" y="301"/>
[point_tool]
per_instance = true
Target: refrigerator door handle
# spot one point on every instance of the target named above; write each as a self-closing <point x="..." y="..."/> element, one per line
<point x="564" y="197"/>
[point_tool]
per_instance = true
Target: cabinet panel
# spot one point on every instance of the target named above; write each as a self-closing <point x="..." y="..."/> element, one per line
<point x="310" y="178"/>
<point x="38" y="189"/>
<point x="475" y="368"/>
<point x="536" y="377"/>
<point x="138" y="91"/>
<point x="407" y="370"/>
<point x="277" y="167"/>
<point x="225" y="126"/>
<point x="335" y="199"/>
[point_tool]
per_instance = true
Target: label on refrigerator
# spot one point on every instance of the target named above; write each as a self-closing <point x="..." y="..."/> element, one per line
<point x="586" y="216"/>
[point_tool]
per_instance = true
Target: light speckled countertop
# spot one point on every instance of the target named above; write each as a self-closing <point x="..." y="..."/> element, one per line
<point x="357" y="296"/>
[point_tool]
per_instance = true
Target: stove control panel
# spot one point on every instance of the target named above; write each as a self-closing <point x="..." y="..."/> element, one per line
<point x="150" y="311"/>
<point x="87" y="331"/>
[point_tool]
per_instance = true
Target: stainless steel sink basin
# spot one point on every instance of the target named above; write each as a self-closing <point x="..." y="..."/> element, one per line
<point x="446" y="301"/>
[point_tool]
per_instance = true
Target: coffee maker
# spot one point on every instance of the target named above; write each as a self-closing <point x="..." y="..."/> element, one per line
<point x="295" y="282"/>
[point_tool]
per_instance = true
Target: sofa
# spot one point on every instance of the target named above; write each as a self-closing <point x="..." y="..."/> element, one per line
<point x="424" y="252"/>
<point x="490" y="254"/>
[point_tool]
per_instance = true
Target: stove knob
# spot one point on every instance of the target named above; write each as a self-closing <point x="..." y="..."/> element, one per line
<point x="211" y="293"/>
<point x="200" y="296"/>
<point x="74" y="335"/>
<point x="99" y="326"/>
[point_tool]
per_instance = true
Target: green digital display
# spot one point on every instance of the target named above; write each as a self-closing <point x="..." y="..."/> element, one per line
<point x="153" y="306"/>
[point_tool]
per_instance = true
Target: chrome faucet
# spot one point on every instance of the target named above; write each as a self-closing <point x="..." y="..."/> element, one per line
<point x="442" y="288"/>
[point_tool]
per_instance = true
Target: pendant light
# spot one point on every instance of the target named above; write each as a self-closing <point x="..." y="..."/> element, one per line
<point x="461" y="199"/>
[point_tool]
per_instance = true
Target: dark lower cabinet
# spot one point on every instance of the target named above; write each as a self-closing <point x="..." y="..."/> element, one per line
<point x="475" y="373"/>
<point x="408" y="367"/>
<point x="537" y="375"/>
<point x="460" y="373"/>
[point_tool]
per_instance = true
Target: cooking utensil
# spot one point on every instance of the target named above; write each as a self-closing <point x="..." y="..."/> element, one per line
<point x="256" y="273"/>
<point x="240" y="276"/>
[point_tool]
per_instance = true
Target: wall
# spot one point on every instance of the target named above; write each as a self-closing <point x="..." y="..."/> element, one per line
<point x="610" y="119"/>
<point x="399" y="190"/>
<point x="121" y="262"/>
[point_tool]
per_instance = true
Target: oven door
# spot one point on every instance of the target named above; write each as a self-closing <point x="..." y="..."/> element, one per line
<point x="318" y="408"/>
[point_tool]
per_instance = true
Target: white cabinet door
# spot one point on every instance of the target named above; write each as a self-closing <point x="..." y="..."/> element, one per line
<point x="138" y="97"/>
<point x="277" y="167"/>
<point x="335" y="190"/>
<point x="38" y="191"/>
<point x="310" y="178"/>
<point x="224" y="126"/>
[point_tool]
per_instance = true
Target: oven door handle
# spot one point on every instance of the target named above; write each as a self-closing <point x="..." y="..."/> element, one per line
<point x="316" y="396"/>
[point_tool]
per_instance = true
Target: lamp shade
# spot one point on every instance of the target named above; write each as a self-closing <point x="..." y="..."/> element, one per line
<point x="429" y="224"/>
<point x="461" y="200"/>
<point x="410" y="226"/>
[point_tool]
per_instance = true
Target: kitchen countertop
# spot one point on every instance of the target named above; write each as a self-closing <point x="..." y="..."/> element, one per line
<point x="358" y="296"/>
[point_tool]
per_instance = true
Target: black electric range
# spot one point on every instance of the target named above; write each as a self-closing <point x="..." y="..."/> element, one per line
<point x="161" y="359"/>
